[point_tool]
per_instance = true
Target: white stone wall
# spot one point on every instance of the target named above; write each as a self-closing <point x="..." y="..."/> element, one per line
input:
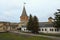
<point x="24" y="29"/>
<point x="49" y="30"/>
<point x="45" y="30"/>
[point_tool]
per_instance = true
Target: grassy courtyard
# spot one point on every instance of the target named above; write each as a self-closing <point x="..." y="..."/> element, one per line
<point x="49" y="34"/>
<point x="12" y="36"/>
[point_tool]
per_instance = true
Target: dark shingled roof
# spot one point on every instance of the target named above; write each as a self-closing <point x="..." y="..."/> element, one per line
<point x="24" y="12"/>
<point x="45" y="24"/>
<point x="50" y="18"/>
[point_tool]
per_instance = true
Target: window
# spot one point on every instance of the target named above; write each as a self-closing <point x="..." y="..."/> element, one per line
<point x="24" y="29"/>
<point x="51" y="29"/>
<point x="45" y="29"/>
<point x="39" y="29"/>
<point x="57" y="29"/>
<point x="42" y="29"/>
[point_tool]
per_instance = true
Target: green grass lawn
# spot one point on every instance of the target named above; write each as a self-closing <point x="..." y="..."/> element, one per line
<point x="49" y="34"/>
<point x="12" y="36"/>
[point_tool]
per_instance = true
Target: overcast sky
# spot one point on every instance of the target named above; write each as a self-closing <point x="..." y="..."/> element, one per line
<point x="11" y="10"/>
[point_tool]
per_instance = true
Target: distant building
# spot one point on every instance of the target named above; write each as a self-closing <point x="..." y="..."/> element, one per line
<point x="7" y="26"/>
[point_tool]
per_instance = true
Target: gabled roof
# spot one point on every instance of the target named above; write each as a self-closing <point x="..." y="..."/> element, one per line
<point x="24" y="12"/>
<point x="45" y="24"/>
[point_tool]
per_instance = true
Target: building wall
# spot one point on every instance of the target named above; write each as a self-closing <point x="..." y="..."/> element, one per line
<point x="43" y="30"/>
<point x="23" y="18"/>
<point x="1" y="29"/>
<point x="49" y="30"/>
<point x="8" y="26"/>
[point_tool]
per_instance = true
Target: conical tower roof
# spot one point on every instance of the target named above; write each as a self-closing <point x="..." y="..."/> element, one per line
<point x="24" y="12"/>
<point x="50" y="18"/>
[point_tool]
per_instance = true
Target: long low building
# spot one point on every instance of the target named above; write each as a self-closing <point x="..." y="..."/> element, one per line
<point x="47" y="27"/>
<point x="44" y="27"/>
<point x="8" y="26"/>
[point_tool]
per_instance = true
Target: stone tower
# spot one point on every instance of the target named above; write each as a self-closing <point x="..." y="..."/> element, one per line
<point x="24" y="17"/>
